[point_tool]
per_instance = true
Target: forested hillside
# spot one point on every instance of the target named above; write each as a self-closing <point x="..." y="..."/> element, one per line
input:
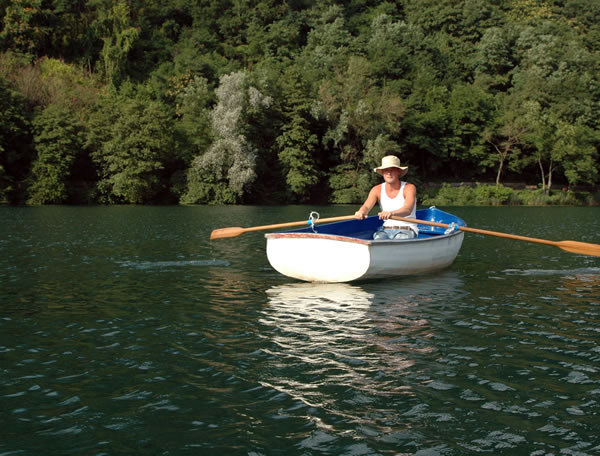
<point x="273" y="101"/>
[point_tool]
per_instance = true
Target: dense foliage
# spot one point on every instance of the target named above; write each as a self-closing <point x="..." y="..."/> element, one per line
<point x="271" y="101"/>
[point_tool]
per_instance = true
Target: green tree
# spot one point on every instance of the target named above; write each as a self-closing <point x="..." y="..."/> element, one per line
<point x="584" y="17"/>
<point x="25" y="28"/>
<point x="297" y="144"/>
<point x="193" y="99"/>
<point x="505" y="134"/>
<point x="428" y="126"/>
<point x="470" y="111"/>
<point x="576" y="149"/>
<point x="15" y="154"/>
<point x="119" y="36"/>
<point x="69" y="34"/>
<point x="328" y="45"/>
<point x="529" y="11"/>
<point x="455" y="26"/>
<point x="555" y="81"/>
<point x="495" y="57"/>
<point x="539" y="141"/>
<point x="391" y="48"/>
<point x="274" y="32"/>
<point x="58" y="139"/>
<point x="357" y="111"/>
<point x="134" y="141"/>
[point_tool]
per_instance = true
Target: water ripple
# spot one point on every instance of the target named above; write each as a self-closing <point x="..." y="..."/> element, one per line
<point x="172" y="264"/>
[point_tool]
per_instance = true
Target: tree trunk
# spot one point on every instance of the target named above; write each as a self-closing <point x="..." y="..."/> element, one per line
<point x="499" y="171"/>
<point x="502" y="154"/>
<point x="549" y="177"/>
<point x="542" y="173"/>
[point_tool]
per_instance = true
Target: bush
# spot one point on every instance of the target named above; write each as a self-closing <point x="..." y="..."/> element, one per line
<point x="451" y="196"/>
<point x="49" y="82"/>
<point x="490" y="195"/>
<point x="556" y="198"/>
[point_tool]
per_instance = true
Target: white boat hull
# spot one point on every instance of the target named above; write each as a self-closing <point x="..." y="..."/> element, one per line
<point x="317" y="257"/>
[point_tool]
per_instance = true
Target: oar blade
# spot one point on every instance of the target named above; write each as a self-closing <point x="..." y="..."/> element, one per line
<point x="220" y="233"/>
<point x="582" y="248"/>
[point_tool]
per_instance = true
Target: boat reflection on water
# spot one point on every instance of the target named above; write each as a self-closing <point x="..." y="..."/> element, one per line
<point x="348" y="335"/>
<point x="337" y="303"/>
<point x="342" y="303"/>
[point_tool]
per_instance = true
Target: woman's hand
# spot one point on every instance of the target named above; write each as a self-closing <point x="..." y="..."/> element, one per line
<point x="386" y="215"/>
<point x="359" y="214"/>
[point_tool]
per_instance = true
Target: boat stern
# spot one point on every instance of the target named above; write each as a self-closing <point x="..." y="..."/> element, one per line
<point x="318" y="258"/>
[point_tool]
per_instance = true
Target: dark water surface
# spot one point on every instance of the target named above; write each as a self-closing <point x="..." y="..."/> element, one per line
<point x="124" y="330"/>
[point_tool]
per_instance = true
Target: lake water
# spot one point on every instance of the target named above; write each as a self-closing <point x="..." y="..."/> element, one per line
<point x="124" y="330"/>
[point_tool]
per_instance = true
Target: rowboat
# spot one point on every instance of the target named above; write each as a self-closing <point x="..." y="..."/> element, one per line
<point x="345" y="251"/>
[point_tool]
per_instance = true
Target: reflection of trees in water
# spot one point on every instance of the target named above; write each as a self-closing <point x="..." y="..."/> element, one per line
<point x="580" y="286"/>
<point x="578" y="297"/>
<point x="562" y="303"/>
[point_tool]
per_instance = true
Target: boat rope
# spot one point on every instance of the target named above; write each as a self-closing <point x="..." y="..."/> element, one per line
<point x="312" y="219"/>
<point x="451" y="228"/>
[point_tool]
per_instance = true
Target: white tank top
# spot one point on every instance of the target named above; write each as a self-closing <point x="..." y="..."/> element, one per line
<point x="392" y="204"/>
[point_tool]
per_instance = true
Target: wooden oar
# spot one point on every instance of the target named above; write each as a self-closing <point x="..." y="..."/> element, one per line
<point x="582" y="248"/>
<point x="236" y="230"/>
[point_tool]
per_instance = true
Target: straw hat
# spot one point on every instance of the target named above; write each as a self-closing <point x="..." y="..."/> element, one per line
<point x="391" y="161"/>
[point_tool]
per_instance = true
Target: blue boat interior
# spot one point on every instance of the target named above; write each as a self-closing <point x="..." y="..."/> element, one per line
<point x="364" y="229"/>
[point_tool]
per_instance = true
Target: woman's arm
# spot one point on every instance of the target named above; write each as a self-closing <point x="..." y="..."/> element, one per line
<point x="371" y="201"/>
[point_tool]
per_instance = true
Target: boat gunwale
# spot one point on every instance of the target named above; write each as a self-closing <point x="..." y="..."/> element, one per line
<point x="355" y="240"/>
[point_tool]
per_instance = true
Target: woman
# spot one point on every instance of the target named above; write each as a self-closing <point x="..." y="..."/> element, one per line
<point x="396" y="198"/>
